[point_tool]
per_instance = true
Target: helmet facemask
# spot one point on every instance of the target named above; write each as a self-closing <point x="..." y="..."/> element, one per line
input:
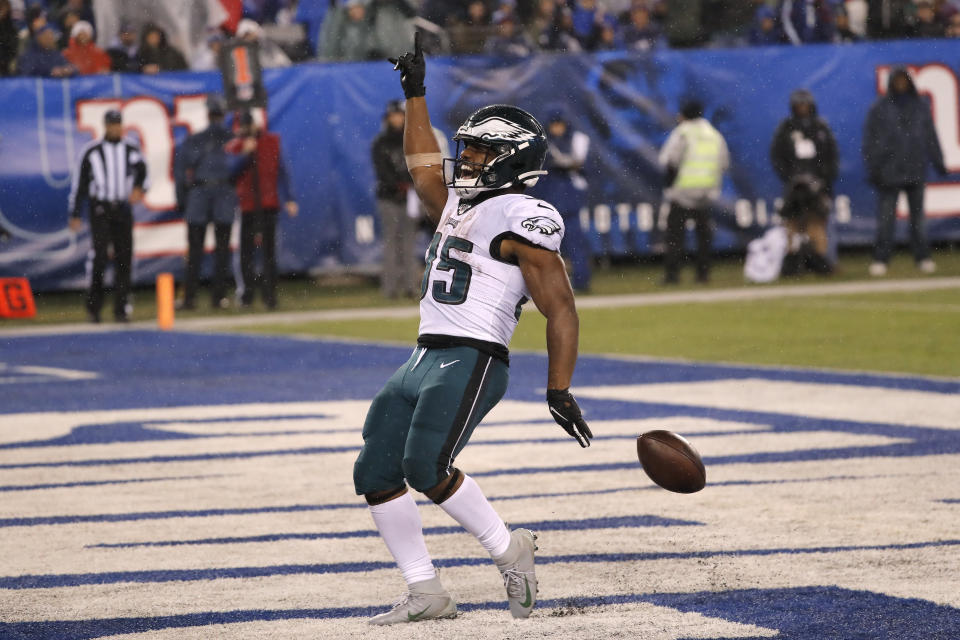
<point x="515" y="148"/>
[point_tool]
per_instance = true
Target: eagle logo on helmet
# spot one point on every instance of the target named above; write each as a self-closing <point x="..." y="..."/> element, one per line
<point x="543" y="224"/>
<point x="496" y="128"/>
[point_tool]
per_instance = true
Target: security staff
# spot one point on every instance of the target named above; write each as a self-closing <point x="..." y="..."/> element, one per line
<point x="204" y="173"/>
<point x="566" y="187"/>
<point x="112" y="176"/>
<point x="694" y="158"/>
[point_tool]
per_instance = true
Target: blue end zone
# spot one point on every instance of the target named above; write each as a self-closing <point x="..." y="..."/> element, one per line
<point x="155" y="369"/>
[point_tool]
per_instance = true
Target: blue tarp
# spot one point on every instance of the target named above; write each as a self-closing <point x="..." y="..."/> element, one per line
<point x="328" y="114"/>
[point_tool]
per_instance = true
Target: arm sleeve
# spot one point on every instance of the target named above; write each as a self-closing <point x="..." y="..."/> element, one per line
<point x="79" y="187"/>
<point x="140" y="176"/>
<point x="778" y="152"/>
<point x="934" y="151"/>
<point x="672" y="153"/>
<point x="284" y="188"/>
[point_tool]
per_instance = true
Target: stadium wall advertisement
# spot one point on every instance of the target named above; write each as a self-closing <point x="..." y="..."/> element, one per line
<point x="328" y="114"/>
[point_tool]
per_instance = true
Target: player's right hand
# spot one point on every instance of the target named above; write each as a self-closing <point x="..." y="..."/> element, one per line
<point x="566" y="412"/>
<point x="413" y="70"/>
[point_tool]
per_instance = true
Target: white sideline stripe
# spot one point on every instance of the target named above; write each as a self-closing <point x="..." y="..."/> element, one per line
<point x="757" y="292"/>
<point x="840" y="402"/>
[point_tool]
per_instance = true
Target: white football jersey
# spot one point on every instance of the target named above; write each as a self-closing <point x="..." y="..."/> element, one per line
<point x="468" y="290"/>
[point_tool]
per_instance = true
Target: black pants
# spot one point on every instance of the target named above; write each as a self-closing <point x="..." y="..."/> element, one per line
<point x="676" y="235"/>
<point x="887" y="221"/>
<point x="221" y="260"/>
<point x="110" y="225"/>
<point x="262" y="226"/>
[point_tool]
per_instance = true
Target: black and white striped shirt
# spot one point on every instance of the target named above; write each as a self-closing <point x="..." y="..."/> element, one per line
<point x="108" y="172"/>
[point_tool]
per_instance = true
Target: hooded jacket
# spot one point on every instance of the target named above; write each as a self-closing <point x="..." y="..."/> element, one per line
<point x="87" y="58"/>
<point x="804" y="145"/>
<point x="164" y="55"/>
<point x="899" y="139"/>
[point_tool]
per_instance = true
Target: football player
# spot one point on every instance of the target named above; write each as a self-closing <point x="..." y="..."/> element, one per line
<point x="494" y="248"/>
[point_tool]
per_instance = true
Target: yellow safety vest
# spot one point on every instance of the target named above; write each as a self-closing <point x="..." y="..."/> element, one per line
<point x="700" y="167"/>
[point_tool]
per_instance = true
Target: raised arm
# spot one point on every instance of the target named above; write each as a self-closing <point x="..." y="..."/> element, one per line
<point x="424" y="160"/>
<point x="546" y="279"/>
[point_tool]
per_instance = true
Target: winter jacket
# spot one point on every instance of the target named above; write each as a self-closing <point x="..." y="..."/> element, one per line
<point x="37" y="61"/>
<point x="393" y="179"/>
<point x="88" y="58"/>
<point x="264" y="176"/>
<point x="806" y="20"/>
<point x="899" y="139"/>
<point x="805" y="146"/>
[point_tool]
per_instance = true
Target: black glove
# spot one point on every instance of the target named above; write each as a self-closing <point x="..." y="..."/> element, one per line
<point x="412" y="69"/>
<point x="567" y="414"/>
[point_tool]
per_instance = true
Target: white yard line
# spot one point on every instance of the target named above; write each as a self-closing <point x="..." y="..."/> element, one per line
<point x="590" y="302"/>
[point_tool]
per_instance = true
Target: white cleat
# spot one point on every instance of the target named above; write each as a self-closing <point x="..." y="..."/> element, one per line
<point x="927" y="266"/>
<point x="426" y="600"/>
<point x="878" y="269"/>
<point x="519" y="576"/>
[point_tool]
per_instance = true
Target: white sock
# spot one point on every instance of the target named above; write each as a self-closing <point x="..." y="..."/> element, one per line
<point x="398" y="522"/>
<point x="470" y="508"/>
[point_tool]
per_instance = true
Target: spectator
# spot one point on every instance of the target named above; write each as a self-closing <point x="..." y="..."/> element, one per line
<point x="8" y="39"/>
<point x="43" y="58"/>
<point x="391" y="23"/>
<point x="844" y="34"/>
<point x="208" y="57"/>
<point x="83" y="54"/>
<point x="346" y="33"/>
<point x="566" y="186"/>
<point x="110" y="188"/>
<point x="730" y="22"/>
<point x="926" y="22"/>
<point x="469" y="34"/>
<point x="765" y="30"/>
<point x="67" y="20"/>
<point x="156" y="54"/>
<point x="204" y="173"/>
<point x="606" y="35"/>
<point x="641" y="34"/>
<point x="35" y="18"/>
<point x="508" y="40"/>
<point x="541" y="21"/>
<point x="682" y="21"/>
<point x="805" y="21"/>
<point x="953" y="27"/>
<point x="123" y="53"/>
<point x="899" y="142"/>
<point x="804" y="155"/>
<point x="887" y="18"/>
<point x="401" y="266"/>
<point x="856" y="11"/>
<point x="271" y="55"/>
<point x="561" y="36"/>
<point x="586" y="15"/>
<point x="694" y="158"/>
<point x="262" y="186"/>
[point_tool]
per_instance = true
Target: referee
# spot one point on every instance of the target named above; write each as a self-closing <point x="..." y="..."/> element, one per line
<point x="112" y="177"/>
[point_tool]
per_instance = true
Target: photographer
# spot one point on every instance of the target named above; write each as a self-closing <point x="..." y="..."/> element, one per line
<point x="804" y="155"/>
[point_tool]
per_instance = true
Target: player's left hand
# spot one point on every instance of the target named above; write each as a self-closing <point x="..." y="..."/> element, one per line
<point x="292" y="208"/>
<point x="413" y="70"/>
<point x="567" y="413"/>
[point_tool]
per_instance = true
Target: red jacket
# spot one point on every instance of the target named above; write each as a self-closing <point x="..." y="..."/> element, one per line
<point x="266" y="163"/>
<point x="88" y="58"/>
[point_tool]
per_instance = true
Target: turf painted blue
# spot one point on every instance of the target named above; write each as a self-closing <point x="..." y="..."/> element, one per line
<point x="182" y="575"/>
<point x="584" y="524"/>
<point x="806" y="613"/>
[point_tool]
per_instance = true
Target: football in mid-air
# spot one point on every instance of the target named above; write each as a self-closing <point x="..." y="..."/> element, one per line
<point x="671" y="461"/>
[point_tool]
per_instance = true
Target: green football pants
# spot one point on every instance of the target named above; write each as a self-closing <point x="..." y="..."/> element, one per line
<point x="424" y="415"/>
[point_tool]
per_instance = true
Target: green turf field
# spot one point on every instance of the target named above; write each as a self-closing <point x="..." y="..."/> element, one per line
<point x="908" y="332"/>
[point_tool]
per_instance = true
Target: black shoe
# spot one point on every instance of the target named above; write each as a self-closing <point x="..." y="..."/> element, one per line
<point x="184" y="305"/>
<point x="670" y="280"/>
<point x="122" y="319"/>
<point x="93" y="317"/>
